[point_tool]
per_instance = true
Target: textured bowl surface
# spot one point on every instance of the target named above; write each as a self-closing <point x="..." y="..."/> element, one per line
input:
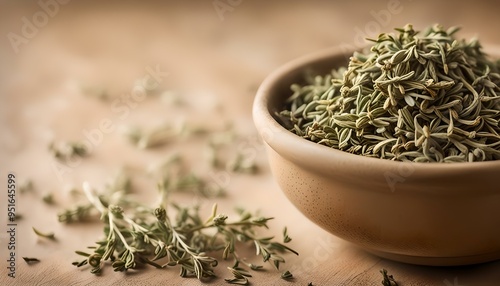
<point x="421" y="213"/>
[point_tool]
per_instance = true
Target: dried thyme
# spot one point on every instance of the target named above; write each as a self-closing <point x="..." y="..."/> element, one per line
<point x="388" y="280"/>
<point x="287" y="275"/>
<point x="136" y="235"/>
<point x="238" y="161"/>
<point x="115" y="191"/>
<point x="48" y="199"/>
<point x="66" y="150"/>
<point x="423" y="97"/>
<point x="167" y="234"/>
<point x="158" y="136"/>
<point x="240" y="275"/>
<point x="49" y="235"/>
<point x="286" y="238"/>
<point x="78" y="213"/>
<point x="176" y="176"/>
<point x="31" y="260"/>
<point x="26" y="187"/>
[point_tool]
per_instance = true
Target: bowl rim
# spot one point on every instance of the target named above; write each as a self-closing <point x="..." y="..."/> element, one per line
<point x="277" y="137"/>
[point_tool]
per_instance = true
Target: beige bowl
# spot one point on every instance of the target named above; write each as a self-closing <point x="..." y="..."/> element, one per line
<point x="420" y="213"/>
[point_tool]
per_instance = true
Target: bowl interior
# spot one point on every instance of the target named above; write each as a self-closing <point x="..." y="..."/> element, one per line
<point x="319" y="63"/>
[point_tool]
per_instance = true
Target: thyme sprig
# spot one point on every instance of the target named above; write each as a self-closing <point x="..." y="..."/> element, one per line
<point x="138" y="235"/>
<point x="114" y="192"/>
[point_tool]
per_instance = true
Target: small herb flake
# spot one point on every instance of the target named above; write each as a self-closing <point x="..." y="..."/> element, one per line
<point x="49" y="235"/>
<point x="64" y="151"/>
<point x="388" y="280"/>
<point x="286" y="238"/>
<point x="25" y="187"/>
<point x="48" y="199"/>
<point x="287" y="275"/>
<point x="30" y="260"/>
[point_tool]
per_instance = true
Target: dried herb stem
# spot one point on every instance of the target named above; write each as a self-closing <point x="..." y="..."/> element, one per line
<point x="49" y="235"/>
<point x="138" y="239"/>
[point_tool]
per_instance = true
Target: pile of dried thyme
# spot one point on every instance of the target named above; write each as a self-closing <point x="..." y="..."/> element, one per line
<point x="422" y="97"/>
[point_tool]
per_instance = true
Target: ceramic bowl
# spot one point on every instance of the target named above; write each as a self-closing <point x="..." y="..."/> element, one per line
<point x="420" y="213"/>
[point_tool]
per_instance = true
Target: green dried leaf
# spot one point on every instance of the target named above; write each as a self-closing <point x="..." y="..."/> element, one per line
<point x="49" y="235"/>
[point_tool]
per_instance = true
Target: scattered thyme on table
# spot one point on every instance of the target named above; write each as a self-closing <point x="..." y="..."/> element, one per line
<point x="168" y="235"/>
<point x="137" y="235"/>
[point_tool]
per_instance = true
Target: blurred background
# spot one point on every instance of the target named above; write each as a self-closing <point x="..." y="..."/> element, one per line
<point x="221" y="48"/>
<point x="212" y="54"/>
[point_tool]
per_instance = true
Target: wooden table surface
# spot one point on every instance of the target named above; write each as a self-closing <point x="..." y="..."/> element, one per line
<point x="214" y="54"/>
